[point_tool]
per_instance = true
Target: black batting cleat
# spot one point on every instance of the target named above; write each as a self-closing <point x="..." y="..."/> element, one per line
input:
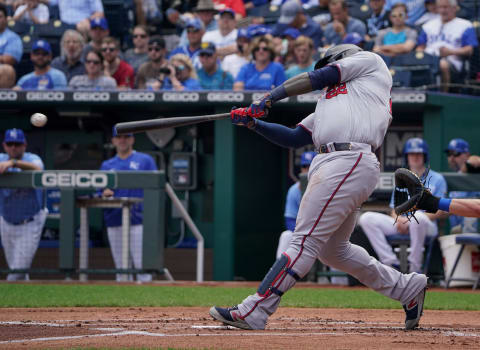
<point x="414" y="310"/>
<point x="229" y="316"/>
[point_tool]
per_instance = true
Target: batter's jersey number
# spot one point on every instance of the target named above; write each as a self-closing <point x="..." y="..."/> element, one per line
<point x="336" y="90"/>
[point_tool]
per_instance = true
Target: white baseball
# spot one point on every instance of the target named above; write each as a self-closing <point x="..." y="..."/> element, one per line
<point x="38" y="119"/>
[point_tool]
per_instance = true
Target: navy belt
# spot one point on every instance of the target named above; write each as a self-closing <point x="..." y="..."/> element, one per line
<point x="335" y="146"/>
<point x="26" y="221"/>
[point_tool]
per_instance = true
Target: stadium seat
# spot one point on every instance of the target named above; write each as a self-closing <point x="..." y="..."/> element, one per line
<point x="120" y="17"/>
<point x="463" y="240"/>
<point x="52" y="32"/>
<point x="21" y="28"/>
<point x="401" y="78"/>
<point x="403" y="241"/>
<point x="359" y="10"/>
<point x="423" y="67"/>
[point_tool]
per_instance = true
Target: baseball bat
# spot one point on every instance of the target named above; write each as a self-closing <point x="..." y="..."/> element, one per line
<point x="163" y="123"/>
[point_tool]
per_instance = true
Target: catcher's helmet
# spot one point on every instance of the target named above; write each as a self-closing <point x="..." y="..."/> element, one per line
<point x="336" y="53"/>
<point x="415" y="145"/>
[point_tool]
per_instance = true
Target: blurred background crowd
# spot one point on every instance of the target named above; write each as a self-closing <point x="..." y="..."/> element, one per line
<point x="230" y="44"/>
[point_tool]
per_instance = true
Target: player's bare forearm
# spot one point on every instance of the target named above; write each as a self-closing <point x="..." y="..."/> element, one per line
<point x="465" y="207"/>
<point x="397" y="49"/>
<point x="27" y="165"/>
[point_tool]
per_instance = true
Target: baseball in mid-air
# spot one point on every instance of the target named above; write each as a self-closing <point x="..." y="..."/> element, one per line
<point x="38" y="119"/>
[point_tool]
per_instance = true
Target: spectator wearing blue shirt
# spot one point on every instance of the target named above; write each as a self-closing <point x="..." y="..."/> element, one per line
<point x="210" y="75"/>
<point x="379" y="18"/>
<point x="22" y="210"/>
<point x="303" y="51"/>
<point x="126" y="159"/>
<point x="32" y="12"/>
<point x="292" y="15"/>
<point x="262" y="73"/>
<point x="195" y="30"/>
<point x="79" y="13"/>
<point x="342" y="23"/>
<point x="98" y="31"/>
<point x="450" y="38"/>
<point x="43" y="77"/>
<point x="183" y="76"/>
<point x="11" y="48"/>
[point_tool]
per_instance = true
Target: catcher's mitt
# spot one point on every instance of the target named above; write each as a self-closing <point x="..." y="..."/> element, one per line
<point x="412" y="195"/>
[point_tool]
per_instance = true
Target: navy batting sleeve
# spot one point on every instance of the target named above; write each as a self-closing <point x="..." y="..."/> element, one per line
<point x="282" y="135"/>
<point x="326" y="76"/>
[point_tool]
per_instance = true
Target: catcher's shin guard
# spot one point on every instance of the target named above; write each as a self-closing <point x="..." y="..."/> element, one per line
<point x="276" y="274"/>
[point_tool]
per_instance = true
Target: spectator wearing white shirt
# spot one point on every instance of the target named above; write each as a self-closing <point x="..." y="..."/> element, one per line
<point x="32" y="12"/>
<point x="232" y="63"/>
<point x="224" y="38"/>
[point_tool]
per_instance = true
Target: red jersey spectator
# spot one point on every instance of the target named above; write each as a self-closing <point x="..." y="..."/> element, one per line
<point x="114" y="67"/>
<point x="235" y="5"/>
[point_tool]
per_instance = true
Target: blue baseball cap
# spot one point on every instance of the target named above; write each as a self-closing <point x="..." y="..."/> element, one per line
<point x="115" y="134"/>
<point x="195" y="23"/>
<point x="458" y="145"/>
<point x="243" y="33"/>
<point x="99" y="22"/>
<point x="306" y="158"/>
<point x="227" y="10"/>
<point x="42" y="45"/>
<point x="258" y="30"/>
<point x="14" y="135"/>
<point x="293" y="32"/>
<point x="352" y="38"/>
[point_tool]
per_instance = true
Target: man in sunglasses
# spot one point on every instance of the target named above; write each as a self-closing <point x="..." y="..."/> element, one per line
<point x="43" y="77"/>
<point x="195" y="30"/>
<point x="138" y="55"/>
<point x="211" y="76"/>
<point x="115" y="67"/>
<point x="150" y="75"/>
<point x="22" y="213"/>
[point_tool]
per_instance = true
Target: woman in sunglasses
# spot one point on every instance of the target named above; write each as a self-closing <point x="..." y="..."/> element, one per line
<point x="95" y="78"/>
<point x="182" y="76"/>
<point x="397" y="39"/>
<point x="262" y="73"/>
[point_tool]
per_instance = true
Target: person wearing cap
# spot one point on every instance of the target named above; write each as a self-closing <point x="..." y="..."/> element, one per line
<point x="98" y="31"/>
<point x="341" y="23"/>
<point x="380" y="18"/>
<point x="205" y="11"/>
<point x="32" y="12"/>
<point x="78" y="13"/>
<point x="398" y="39"/>
<point x="431" y="13"/>
<point x="115" y="67"/>
<point x="303" y="51"/>
<point x="284" y="47"/>
<point x="237" y="6"/>
<point x="138" y="54"/>
<point x="22" y="210"/>
<point x="233" y="62"/>
<point x="262" y="73"/>
<point x="292" y="204"/>
<point x="195" y="30"/>
<point x="94" y="79"/>
<point x="11" y="48"/>
<point x="210" y="75"/>
<point x="458" y="154"/>
<point x="355" y="39"/>
<point x="70" y="60"/>
<point x="293" y="15"/>
<point x="126" y="159"/>
<point x="43" y="77"/>
<point x="454" y="47"/>
<point x="224" y="38"/>
<point x="150" y="75"/>
<point x="182" y="76"/>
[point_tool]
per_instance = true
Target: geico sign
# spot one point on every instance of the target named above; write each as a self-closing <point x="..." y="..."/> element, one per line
<point x="180" y="96"/>
<point x="136" y="96"/>
<point x="225" y="96"/>
<point x="91" y="96"/>
<point x="308" y="98"/>
<point x="257" y="96"/>
<point x="45" y="96"/>
<point x="8" y="96"/>
<point x="413" y="97"/>
<point x="74" y="180"/>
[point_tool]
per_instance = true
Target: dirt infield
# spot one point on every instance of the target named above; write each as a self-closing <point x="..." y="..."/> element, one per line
<point x="289" y="328"/>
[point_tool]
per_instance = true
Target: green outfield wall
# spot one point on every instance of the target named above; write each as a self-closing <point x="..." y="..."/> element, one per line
<point x="241" y="178"/>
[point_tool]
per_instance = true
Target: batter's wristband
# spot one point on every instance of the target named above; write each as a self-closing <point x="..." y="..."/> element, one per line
<point x="279" y="93"/>
<point x="444" y="204"/>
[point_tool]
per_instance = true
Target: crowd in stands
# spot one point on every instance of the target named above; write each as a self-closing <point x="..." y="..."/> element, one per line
<point x="226" y="44"/>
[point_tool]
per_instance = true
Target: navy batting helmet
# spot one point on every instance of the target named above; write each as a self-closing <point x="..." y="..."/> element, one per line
<point x="336" y="53"/>
<point x="415" y="145"/>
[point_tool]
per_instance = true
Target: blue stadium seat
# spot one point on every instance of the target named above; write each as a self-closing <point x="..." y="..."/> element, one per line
<point x="463" y="240"/>
<point x="423" y="67"/>
<point x="401" y="78"/>
<point x="20" y="28"/>
<point x="359" y="10"/>
<point x="120" y="17"/>
<point x="52" y="32"/>
<point x="403" y="241"/>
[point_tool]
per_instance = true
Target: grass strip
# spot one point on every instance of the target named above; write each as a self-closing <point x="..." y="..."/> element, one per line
<point x="52" y="295"/>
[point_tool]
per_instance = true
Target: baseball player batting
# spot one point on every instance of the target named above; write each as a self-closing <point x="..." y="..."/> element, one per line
<point x="349" y="122"/>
